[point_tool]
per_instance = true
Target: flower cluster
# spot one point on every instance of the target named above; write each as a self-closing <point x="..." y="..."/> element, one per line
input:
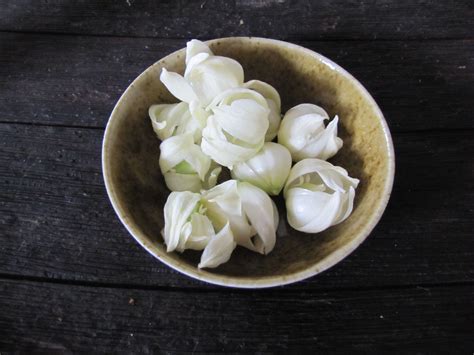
<point x="222" y="121"/>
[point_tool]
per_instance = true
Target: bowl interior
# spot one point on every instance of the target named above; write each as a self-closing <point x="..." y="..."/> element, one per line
<point x="138" y="192"/>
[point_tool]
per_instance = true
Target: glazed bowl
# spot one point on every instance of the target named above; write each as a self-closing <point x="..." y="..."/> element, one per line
<point x="138" y="193"/>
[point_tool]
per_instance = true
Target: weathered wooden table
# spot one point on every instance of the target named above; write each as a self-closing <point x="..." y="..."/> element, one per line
<point x="72" y="279"/>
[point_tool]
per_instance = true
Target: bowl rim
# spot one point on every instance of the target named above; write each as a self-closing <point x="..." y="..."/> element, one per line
<point x="267" y="281"/>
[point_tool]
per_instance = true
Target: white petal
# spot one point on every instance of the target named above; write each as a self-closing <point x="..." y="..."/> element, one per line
<point x="182" y="182"/>
<point x="333" y="142"/>
<point x="177" y="210"/>
<point x="297" y="131"/>
<point x="304" y="167"/>
<point x="225" y="196"/>
<point x="224" y="205"/>
<point x="227" y="97"/>
<point x="318" y="195"/>
<point x="232" y="95"/>
<point x="211" y="178"/>
<point x="172" y="119"/>
<point x="274" y="104"/>
<point x="197" y="59"/>
<point x="219" y="249"/>
<point x="202" y="232"/>
<point x="268" y="169"/>
<point x="346" y="208"/>
<point x="259" y="210"/>
<point x="194" y="47"/>
<point x="199" y="113"/>
<point x="324" y="146"/>
<point x="266" y="90"/>
<point x="177" y="86"/>
<point x="225" y="153"/>
<point x="244" y="120"/>
<point x="180" y="148"/>
<point x="196" y="234"/>
<point x="306" y="109"/>
<point x="213" y="76"/>
<point x="236" y="130"/>
<point x="303" y="132"/>
<point x="276" y="216"/>
<point x="216" y="145"/>
<point x="166" y="117"/>
<point x="274" y="120"/>
<point x="249" y="212"/>
<point x="311" y="212"/>
<point x="176" y="151"/>
<point x="337" y="180"/>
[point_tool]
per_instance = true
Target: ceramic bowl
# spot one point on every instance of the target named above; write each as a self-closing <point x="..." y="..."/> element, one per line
<point x="138" y="193"/>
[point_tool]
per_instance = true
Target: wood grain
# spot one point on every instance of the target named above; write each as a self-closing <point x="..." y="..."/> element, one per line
<point x="296" y="19"/>
<point x="71" y="319"/>
<point x="71" y="278"/>
<point x="56" y="221"/>
<point x="75" y="81"/>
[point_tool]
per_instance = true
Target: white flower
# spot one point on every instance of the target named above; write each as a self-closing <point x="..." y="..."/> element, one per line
<point x="236" y="130"/>
<point x="303" y="132"/>
<point x="318" y="195"/>
<point x="174" y="119"/>
<point x="219" y="249"/>
<point x="274" y="104"/>
<point x="184" y="165"/>
<point x="186" y="227"/>
<point x="249" y="212"/>
<point x="268" y="169"/>
<point x="206" y="75"/>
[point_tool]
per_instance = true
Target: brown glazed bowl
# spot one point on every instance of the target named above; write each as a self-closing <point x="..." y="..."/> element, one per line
<point x="138" y="193"/>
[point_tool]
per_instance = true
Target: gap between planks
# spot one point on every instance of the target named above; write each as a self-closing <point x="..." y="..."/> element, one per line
<point x="102" y="128"/>
<point x="217" y="289"/>
<point x="289" y="38"/>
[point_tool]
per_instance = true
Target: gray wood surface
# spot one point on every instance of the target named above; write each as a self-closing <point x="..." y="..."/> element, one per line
<point x="286" y="19"/>
<point x="76" y="80"/>
<point x="76" y="319"/>
<point x="52" y="187"/>
<point x="73" y="281"/>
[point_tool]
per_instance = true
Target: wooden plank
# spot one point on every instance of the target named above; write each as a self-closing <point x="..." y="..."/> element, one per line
<point x="76" y="81"/>
<point x="299" y="19"/>
<point x="72" y="319"/>
<point x="56" y="220"/>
